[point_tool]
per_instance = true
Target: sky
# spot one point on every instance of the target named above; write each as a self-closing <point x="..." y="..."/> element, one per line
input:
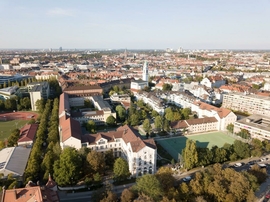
<point x="140" y="24"/>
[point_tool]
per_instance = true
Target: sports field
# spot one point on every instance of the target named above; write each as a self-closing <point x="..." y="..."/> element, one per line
<point x="175" y="145"/>
<point x="7" y="126"/>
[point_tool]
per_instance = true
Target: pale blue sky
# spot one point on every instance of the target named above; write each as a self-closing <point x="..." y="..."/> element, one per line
<point x="141" y="24"/>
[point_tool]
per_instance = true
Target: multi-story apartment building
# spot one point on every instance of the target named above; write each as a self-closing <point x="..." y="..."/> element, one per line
<point x="37" y="92"/>
<point x="257" y="125"/>
<point x="252" y="104"/>
<point x="151" y="99"/>
<point x="125" y="142"/>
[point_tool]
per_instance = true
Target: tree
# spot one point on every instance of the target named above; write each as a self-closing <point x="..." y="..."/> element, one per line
<point x="230" y="127"/>
<point x="40" y="105"/>
<point x="127" y="195"/>
<point x="244" y="134"/>
<point x="166" y="87"/>
<point x="2" y="144"/>
<point x="120" y="112"/>
<point x="190" y="154"/>
<point x="13" y="138"/>
<point x="25" y="103"/>
<point x="96" y="161"/>
<point x="154" y="113"/>
<point x="109" y="159"/>
<point x="110" y="197"/>
<point x="120" y="169"/>
<point x="149" y="185"/>
<point x="241" y="149"/>
<point x="186" y="112"/>
<point x="147" y="126"/>
<point x="158" y="122"/>
<point x="134" y="119"/>
<point x="166" y="125"/>
<point x="165" y="177"/>
<point x="111" y="121"/>
<point x="67" y="169"/>
<point x="140" y="103"/>
<point x="91" y="126"/>
<point x="88" y="103"/>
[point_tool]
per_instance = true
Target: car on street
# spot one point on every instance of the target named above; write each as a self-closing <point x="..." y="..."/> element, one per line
<point x="187" y="179"/>
<point x="238" y="165"/>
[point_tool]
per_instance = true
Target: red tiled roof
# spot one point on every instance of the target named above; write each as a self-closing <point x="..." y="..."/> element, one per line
<point x="222" y="112"/>
<point x="28" y="132"/>
<point x="70" y="128"/>
<point x="129" y="135"/>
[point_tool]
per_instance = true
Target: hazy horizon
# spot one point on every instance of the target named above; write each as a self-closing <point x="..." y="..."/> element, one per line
<point x="118" y="24"/>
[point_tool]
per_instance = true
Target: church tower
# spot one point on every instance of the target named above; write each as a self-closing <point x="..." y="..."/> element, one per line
<point x="145" y="72"/>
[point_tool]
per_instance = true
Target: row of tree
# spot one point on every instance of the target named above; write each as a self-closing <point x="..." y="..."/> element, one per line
<point x="33" y="170"/>
<point x="194" y="156"/>
<point x="15" y="103"/>
<point x="211" y="184"/>
<point x="88" y="165"/>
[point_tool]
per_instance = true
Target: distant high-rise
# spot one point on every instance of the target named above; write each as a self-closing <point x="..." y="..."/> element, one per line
<point x="0" y="61"/>
<point x="145" y="72"/>
<point x="60" y="49"/>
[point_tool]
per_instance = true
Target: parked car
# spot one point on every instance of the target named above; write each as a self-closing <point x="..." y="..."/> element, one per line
<point x="187" y="179"/>
<point x="238" y="165"/>
<point x="251" y="162"/>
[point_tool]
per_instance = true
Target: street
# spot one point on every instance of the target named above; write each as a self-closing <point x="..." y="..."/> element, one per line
<point x="86" y="196"/>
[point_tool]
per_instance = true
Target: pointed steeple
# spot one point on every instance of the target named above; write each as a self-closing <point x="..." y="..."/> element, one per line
<point x="51" y="184"/>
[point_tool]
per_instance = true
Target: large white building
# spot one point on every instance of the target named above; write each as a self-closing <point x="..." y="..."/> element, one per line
<point x="125" y="142"/>
<point x="257" y="125"/>
<point x="252" y="104"/>
<point x="224" y="116"/>
<point x="151" y="99"/>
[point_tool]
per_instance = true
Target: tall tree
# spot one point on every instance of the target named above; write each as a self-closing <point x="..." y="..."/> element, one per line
<point x="96" y="161"/>
<point x="111" y="121"/>
<point x="230" y="127"/>
<point x="121" y="112"/>
<point x="67" y="170"/>
<point x="91" y="126"/>
<point x="149" y="185"/>
<point x="147" y="126"/>
<point x="190" y="154"/>
<point x="158" y="122"/>
<point x="120" y="169"/>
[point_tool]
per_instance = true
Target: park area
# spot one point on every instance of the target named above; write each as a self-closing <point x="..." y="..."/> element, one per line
<point x="175" y="145"/>
<point x="13" y="120"/>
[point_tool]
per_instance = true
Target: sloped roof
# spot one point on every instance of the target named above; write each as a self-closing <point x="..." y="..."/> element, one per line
<point x="222" y="112"/>
<point x="70" y="128"/>
<point x="201" y="120"/>
<point x="179" y="124"/>
<point x="28" y="132"/>
<point x="127" y="133"/>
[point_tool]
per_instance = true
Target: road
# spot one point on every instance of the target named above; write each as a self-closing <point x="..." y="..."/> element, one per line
<point x="86" y="196"/>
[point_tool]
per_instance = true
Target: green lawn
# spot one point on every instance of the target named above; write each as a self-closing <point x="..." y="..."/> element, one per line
<point x="7" y="126"/>
<point x="175" y="145"/>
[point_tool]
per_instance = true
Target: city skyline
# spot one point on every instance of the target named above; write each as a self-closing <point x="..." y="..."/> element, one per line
<point x="134" y="25"/>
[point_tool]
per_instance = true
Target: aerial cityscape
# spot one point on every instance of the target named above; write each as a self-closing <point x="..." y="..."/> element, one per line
<point x="118" y="101"/>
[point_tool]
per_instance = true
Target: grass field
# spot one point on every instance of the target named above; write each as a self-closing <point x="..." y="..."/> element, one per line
<point x="7" y="126"/>
<point x="175" y="145"/>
